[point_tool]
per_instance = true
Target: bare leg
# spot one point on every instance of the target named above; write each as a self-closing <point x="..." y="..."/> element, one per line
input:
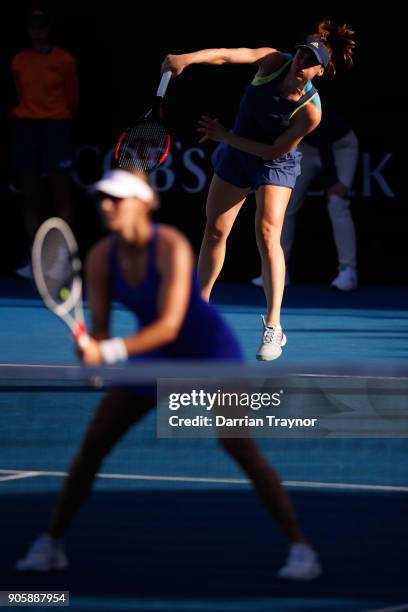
<point x="117" y="412"/>
<point x="271" y="203"/>
<point x="267" y="485"/>
<point x="223" y="205"/>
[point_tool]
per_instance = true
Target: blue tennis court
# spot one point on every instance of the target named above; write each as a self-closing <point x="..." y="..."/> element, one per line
<point x="173" y="525"/>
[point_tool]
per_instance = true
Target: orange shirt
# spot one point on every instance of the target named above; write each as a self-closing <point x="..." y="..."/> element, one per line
<point x="46" y="83"/>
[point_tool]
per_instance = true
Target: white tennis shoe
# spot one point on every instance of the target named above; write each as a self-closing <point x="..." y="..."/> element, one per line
<point x="302" y="564"/>
<point x="273" y="339"/>
<point x="346" y="280"/>
<point x="258" y="282"/>
<point x="44" y="555"/>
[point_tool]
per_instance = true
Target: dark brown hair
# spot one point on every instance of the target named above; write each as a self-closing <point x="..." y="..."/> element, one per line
<point x="339" y="40"/>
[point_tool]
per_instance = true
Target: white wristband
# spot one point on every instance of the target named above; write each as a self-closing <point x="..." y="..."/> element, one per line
<point x="113" y="350"/>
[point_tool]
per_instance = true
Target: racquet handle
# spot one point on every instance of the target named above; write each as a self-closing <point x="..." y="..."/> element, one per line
<point x="83" y="341"/>
<point x="80" y="336"/>
<point x="165" y="80"/>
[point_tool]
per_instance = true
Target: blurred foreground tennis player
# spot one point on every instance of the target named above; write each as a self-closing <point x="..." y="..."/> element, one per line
<point x="149" y="269"/>
<point x="278" y="109"/>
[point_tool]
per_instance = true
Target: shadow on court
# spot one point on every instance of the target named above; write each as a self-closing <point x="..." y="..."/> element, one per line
<point x="315" y="296"/>
<point x="245" y="294"/>
<point x="214" y="544"/>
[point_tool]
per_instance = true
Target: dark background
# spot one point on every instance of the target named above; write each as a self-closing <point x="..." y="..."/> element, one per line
<point x="119" y="51"/>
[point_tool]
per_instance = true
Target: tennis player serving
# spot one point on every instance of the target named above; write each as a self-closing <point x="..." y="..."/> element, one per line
<point x="150" y="269"/>
<point x="278" y="108"/>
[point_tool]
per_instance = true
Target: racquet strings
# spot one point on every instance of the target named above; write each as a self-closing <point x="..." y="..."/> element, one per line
<point x="57" y="265"/>
<point x="143" y="146"/>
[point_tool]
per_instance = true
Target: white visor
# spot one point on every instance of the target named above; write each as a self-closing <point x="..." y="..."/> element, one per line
<point x="122" y="184"/>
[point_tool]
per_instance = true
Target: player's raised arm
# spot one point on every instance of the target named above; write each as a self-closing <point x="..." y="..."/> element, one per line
<point x="242" y="55"/>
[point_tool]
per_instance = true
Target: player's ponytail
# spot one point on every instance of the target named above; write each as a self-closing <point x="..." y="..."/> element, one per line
<point x="339" y="41"/>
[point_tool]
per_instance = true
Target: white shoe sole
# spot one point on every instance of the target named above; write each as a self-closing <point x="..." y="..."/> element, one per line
<point x="317" y="571"/>
<point x="283" y="343"/>
<point x="345" y="289"/>
<point x="259" y="283"/>
<point x="21" y="566"/>
<point x="260" y="358"/>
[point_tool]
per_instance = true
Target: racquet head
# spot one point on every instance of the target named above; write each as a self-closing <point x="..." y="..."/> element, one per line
<point x="57" y="272"/>
<point x="145" y="144"/>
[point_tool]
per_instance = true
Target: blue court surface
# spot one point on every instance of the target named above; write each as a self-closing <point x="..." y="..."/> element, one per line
<point x="172" y="525"/>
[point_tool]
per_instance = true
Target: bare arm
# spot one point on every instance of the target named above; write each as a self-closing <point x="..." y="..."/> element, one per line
<point x="177" y="63"/>
<point x="306" y="120"/>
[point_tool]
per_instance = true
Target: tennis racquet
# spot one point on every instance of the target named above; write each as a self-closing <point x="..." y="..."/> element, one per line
<point x="57" y="274"/>
<point x="146" y="144"/>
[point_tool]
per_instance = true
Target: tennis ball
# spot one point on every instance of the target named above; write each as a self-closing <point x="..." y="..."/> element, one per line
<point x="64" y="293"/>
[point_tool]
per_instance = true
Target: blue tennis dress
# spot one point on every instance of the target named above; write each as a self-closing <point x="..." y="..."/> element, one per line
<point x="204" y="334"/>
<point x="263" y="116"/>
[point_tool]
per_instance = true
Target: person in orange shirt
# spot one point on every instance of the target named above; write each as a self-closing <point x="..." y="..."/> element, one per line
<point x="46" y="82"/>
